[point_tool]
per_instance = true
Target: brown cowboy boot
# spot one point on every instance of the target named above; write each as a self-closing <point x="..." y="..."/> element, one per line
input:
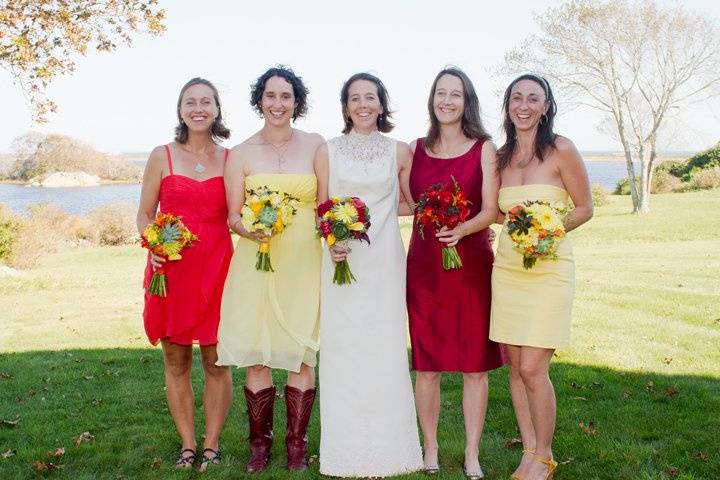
<point x="299" y="407"/>
<point x="260" y="415"/>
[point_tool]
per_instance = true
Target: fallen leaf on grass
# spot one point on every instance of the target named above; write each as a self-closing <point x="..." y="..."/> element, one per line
<point x="701" y="456"/>
<point x="513" y="442"/>
<point x="596" y="386"/>
<point x="626" y="395"/>
<point x="45" y="467"/>
<point x="579" y="398"/>
<point x="6" y="376"/>
<point x="672" y="472"/>
<point x="671" y="391"/>
<point x="650" y="386"/>
<point x="9" y="453"/>
<point x="589" y="428"/>
<point x="156" y="463"/>
<point x="85" y="437"/>
<point x="10" y="423"/>
<point x="88" y="377"/>
<point x="312" y="459"/>
<point x="667" y="360"/>
<point x="58" y="452"/>
<point x="566" y="462"/>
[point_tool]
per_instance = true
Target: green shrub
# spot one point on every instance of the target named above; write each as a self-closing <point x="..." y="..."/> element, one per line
<point x="664" y="182"/>
<point x="706" y="160"/>
<point x="600" y="196"/>
<point x="623" y="186"/>
<point x="706" y="179"/>
<point x="9" y="224"/>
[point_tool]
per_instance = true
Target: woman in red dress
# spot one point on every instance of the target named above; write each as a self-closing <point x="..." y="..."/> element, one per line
<point x="185" y="178"/>
<point x="449" y="311"/>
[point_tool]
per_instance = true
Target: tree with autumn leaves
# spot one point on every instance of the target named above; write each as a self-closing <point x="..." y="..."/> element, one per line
<point x="40" y="39"/>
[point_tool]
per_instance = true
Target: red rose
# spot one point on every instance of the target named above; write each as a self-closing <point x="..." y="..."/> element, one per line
<point x="357" y="203"/>
<point x="325" y="228"/>
<point x="324" y="207"/>
<point x="446" y="198"/>
<point x="453" y="221"/>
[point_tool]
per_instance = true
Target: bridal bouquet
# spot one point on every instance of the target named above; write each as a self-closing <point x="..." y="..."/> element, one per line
<point x="536" y="230"/>
<point x="342" y="220"/>
<point x="270" y="212"/>
<point x="167" y="236"/>
<point x="443" y="205"/>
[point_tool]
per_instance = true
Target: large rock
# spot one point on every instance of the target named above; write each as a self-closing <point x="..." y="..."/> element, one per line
<point x="70" y="179"/>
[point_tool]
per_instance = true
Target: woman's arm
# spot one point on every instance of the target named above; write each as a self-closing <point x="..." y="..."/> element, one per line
<point x="575" y="179"/>
<point x="234" y="178"/>
<point x="404" y="165"/>
<point x="489" y="212"/>
<point x="322" y="172"/>
<point x="150" y="190"/>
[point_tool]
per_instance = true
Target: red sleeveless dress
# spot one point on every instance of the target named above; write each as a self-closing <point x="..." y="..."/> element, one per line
<point x="190" y="313"/>
<point x="449" y="311"/>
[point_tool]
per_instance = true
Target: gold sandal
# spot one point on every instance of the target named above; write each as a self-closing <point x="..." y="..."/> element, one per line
<point x="550" y="463"/>
<point x="520" y="477"/>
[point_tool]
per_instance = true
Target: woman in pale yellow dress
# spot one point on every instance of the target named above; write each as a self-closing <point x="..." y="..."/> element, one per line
<point x="270" y="319"/>
<point x="532" y="309"/>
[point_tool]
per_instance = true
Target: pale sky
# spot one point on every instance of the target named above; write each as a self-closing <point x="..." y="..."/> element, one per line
<point x="125" y="101"/>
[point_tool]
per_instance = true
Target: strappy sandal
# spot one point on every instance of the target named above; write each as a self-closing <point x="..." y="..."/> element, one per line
<point x="550" y="463"/>
<point x="520" y="477"/>
<point x="185" y="461"/>
<point x="207" y="460"/>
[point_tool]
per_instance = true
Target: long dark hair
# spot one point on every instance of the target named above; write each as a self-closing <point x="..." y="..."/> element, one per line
<point x="300" y="91"/>
<point x="545" y="136"/>
<point x="218" y="130"/>
<point x="471" y="123"/>
<point x="383" y="123"/>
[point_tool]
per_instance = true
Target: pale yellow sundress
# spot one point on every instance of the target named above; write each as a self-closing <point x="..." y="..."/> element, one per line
<point x="531" y="307"/>
<point x="272" y="318"/>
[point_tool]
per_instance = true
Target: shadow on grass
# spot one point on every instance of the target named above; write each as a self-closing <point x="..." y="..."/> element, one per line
<point x="634" y="426"/>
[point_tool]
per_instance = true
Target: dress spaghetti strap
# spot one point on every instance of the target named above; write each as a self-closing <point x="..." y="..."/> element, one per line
<point x="169" y="159"/>
<point x="226" y="155"/>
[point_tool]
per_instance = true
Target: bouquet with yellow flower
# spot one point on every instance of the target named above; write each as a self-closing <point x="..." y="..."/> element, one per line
<point x="343" y="219"/>
<point x="536" y="229"/>
<point x="167" y="236"/>
<point x="270" y="212"/>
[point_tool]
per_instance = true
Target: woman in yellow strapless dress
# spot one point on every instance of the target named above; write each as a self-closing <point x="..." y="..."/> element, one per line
<point x="270" y="319"/>
<point x="532" y="309"/>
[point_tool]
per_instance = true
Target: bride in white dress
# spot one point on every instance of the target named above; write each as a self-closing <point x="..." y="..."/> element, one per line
<point x="367" y="409"/>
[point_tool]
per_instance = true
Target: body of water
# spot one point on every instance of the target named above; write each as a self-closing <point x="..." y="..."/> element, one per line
<point x="80" y="200"/>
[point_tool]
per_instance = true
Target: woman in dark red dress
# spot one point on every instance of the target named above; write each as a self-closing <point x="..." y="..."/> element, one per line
<point x="185" y="178"/>
<point x="449" y="311"/>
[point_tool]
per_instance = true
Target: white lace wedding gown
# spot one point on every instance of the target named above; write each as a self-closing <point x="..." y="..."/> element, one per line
<point x="367" y="409"/>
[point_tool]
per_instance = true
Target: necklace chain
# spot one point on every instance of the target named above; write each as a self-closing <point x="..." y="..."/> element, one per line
<point x="279" y="149"/>
<point x="199" y="167"/>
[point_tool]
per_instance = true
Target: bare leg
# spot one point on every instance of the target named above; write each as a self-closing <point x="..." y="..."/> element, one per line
<point x="534" y="370"/>
<point x="258" y="377"/>
<point x="178" y="363"/>
<point x="304" y="379"/>
<point x="216" y="397"/>
<point x="475" y="395"/>
<point x="427" y="401"/>
<point x="522" y="409"/>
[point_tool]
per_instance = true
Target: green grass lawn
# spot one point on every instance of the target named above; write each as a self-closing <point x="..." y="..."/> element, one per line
<point x="638" y="391"/>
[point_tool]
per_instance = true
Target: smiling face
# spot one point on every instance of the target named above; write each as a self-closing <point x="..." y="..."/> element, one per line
<point x="527" y="104"/>
<point x="278" y="101"/>
<point x="449" y="99"/>
<point x="363" y="106"/>
<point x="198" y="108"/>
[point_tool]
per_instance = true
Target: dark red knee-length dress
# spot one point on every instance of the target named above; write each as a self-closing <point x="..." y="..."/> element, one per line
<point x="190" y="313"/>
<point x="449" y="311"/>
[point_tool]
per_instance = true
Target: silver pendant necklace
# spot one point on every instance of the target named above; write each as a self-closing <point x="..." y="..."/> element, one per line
<point x="199" y="167"/>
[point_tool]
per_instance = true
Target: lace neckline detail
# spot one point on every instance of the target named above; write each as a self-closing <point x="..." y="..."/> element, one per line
<point x="365" y="151"/>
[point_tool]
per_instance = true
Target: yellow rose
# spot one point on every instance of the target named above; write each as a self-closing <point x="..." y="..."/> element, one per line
<point x="357" y="226"/>
<point x="330" y="239"/>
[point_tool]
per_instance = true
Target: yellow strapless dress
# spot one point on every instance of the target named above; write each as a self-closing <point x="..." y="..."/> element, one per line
<point x="531" y="307"/>
<point x="272" y="318"/>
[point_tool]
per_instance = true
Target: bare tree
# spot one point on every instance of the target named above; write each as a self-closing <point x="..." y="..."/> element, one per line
<point x="40" y="38"/>
<point x="634" y="60"/>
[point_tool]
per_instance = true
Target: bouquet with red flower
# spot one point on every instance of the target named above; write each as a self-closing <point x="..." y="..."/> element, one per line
<point x="443" y="205"/>
<point x="341" y="220"/>
<point x="167" y="236"/>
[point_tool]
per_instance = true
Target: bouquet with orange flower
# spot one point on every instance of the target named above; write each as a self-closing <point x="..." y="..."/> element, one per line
<point x="443" y="205"/>
<point x="342" y="220"/>
<point x="267" y="211"/>
<point x="536" y="229"/>
<point x="167" y="236"/>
